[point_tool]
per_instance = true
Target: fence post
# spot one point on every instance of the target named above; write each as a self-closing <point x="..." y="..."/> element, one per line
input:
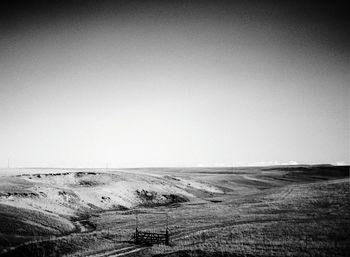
<point x="136" y="237"/>
<point x="167" y="237"/>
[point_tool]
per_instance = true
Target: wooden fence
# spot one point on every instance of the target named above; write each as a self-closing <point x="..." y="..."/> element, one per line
<point x="151" y="238"/>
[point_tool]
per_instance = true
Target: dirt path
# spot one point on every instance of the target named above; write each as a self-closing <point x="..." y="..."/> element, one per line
<point x="284" y="194"/>
<point x="118" y="252"/>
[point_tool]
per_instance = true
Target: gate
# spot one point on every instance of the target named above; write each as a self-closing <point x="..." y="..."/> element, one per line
<point x="151" y="238"/>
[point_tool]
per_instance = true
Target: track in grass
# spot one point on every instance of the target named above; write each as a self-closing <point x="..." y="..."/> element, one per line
<point x="119" y="252"/>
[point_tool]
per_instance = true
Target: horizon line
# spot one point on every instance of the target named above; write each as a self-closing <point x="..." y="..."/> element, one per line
<point x="162" y="167"/>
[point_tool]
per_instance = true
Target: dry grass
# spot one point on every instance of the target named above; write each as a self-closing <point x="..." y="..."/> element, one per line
<point x="273" y="214"/>
<point x="311" y="220"/>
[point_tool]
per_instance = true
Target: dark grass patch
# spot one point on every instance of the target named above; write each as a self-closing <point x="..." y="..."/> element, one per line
<point x="215" y="201"/>
<point x="171" y="178"/>
<point x="82" y="174"/>
<point x="7" y="240"/>
<point x="88" y="183"/>
<point x="200" y="253"/>
<point x="43" y="249"/>
<point x="13" y="221"/>
<point x="172" y="198"/>
<point x="88" y="224"/>
<point x="153" y="199"/>
<point x="94" y="207"/>
<point x="316" y="172"/>
<point x="118" y="207"/>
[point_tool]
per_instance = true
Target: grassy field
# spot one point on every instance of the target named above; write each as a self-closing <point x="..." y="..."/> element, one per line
<point x="255" y="211"/>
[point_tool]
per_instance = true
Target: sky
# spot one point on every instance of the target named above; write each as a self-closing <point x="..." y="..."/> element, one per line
<point x="173" y="83"/>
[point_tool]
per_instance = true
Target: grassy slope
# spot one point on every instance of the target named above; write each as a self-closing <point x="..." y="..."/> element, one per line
<point x="291" y="217"/>
<point x="257" y="211"/>
<point x="298" y="220"/>
<point x="35" y="205"/>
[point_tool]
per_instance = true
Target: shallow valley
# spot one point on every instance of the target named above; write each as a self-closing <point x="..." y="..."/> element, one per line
<point x="255" y="211"/>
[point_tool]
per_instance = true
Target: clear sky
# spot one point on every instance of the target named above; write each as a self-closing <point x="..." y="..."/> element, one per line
<point x="173" y="84"/>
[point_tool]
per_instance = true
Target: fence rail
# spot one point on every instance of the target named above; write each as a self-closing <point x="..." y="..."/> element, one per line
<point x="151" y="238"/>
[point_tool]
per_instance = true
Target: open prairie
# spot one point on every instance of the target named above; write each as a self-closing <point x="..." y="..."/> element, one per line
<point x="251" y="211"/>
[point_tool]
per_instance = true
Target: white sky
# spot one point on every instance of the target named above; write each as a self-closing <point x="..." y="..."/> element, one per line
<point x="149" y="88"/>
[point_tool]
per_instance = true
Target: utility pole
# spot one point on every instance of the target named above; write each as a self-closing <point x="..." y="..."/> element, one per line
<point x="8" y="163"/>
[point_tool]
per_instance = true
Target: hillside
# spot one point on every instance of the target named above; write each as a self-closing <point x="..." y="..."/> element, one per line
<point x="68" y="208"/>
